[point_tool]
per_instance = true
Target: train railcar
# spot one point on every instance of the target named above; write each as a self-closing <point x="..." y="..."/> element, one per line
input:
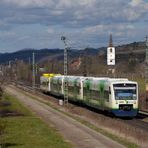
<point x="45" y="84"/>
<point x="118" y="96"/>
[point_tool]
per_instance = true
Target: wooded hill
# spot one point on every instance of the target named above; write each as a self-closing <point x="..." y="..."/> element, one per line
<point x="129" y="58"/>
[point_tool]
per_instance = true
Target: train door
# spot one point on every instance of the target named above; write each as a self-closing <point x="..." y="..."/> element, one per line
<point x="75" y="91"/>
<point x="58" y="87"/>
<point x="81" y="89"/>
<point x="86" y="91"/>
<point x="109" y="97"/>
<point x="49" y="87"/>
<point x="102" y="97"/>
<point x="62" y="85"/>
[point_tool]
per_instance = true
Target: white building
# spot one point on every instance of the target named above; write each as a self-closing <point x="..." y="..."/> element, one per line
<point x="111" y="53"/>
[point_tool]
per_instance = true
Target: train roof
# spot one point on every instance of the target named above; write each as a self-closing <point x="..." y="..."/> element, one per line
<point x="44" y="79"/>
<point x="121" y="80"/>
<point x="105" y="79"/>
<point x="117" y="79"/>
<point x="91" y="78"/>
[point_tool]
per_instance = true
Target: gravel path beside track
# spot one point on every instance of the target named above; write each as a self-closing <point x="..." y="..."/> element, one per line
<point x="73" y="131"/>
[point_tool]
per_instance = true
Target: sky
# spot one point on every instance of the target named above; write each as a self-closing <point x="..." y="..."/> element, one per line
<point x="85" y="23"/>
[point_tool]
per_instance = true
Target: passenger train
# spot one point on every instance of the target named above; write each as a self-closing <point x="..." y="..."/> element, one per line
<point x="116" y="95"/>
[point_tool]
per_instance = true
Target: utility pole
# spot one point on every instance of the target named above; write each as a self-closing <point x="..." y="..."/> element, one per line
<point x="63" y="38"/>
<point x="16" y="71"/>
<point x="33" y="71"/>
<point x="85" y="63"/>
<point x="146" y="70"/>
<point x="29" y="61"/>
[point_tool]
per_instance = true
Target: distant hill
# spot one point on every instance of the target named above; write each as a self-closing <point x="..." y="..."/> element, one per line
<point x="123" y="52"/>
<point x="43" y="54"/>
<point x="134" y="50"/>
<point x="26" y="54"/>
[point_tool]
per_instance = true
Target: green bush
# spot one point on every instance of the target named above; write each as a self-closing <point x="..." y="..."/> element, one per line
<point x="2" y="126"/>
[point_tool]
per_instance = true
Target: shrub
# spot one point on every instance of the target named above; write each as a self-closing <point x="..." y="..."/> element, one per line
<point x="2" y="131"/>
<point x="1" y="92"/>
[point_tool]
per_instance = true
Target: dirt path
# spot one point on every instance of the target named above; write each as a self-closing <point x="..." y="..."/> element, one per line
<point x="73" y="131"/>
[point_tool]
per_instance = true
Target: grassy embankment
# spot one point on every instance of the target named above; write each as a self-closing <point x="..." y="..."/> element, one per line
<point x="124" y="141"/>
<point x="26" y="130"/>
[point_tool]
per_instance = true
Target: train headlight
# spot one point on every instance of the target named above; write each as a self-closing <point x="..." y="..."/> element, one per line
<point x="134" y="97"/>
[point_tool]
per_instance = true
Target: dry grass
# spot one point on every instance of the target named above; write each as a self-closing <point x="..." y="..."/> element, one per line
<point x="118" y="128"/>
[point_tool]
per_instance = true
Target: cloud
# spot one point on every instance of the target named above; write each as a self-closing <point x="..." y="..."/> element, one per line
<point x="82" y="20"/>
<point x="29" y="3"/>
<point x="72" y="13"/>
<point x="50" y="30"/>
<point x="6" y="34"/>
<point x="136" y="2"/>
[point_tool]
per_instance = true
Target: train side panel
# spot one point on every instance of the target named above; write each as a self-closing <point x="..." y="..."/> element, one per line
<point x="96" y="93"/>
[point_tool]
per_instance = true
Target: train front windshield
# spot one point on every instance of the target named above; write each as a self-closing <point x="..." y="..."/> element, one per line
<point x="125" y="93"/>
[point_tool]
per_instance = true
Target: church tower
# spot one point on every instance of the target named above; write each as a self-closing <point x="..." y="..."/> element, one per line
<point x="110" y="52"/>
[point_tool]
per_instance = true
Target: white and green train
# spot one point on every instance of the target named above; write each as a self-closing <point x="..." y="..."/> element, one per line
<point x="116" y="95"/>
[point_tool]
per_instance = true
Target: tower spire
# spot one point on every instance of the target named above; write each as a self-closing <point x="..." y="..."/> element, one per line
<point x="110" y="52"/>
<point x="110" y="41"/>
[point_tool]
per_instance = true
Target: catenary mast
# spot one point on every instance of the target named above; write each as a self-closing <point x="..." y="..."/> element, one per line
<point x="63" y="38"/>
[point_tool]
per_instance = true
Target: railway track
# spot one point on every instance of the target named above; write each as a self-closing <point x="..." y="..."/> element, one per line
<point x="143" y="113"/>
<point x="138" y="121"/>
<point x="28" y="87"/>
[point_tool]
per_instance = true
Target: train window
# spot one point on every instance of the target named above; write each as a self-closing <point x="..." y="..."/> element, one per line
<point x="70" y="89"/>
<point x="125" y="94"/>
<point x="45" y="83"/>
<point x="106" y="95"/>
<point x="76" y="90"/>
<point x="124" y="85"/>
<point x="86" y="92"/>
<point x="95" y="94"/>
